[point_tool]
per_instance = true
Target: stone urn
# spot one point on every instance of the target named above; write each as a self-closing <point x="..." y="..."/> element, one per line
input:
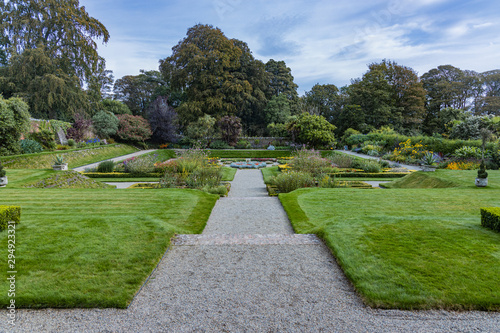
<point x="60" y="167"/>
<point x="3" y="181"/>
<point x="481" y="182"/>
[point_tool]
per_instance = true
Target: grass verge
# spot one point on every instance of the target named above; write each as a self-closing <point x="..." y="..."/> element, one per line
<point x="409" y="248"/>
<point x="88" y="248"/>
<point x="228" y="174"/>
<point x="445" y="179"/>
<point x="267" y="173"/>
<point x="75" y="158"/>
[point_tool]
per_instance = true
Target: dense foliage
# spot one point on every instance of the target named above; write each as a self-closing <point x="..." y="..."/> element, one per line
<point x="14" y="120"/>
<point x="133" y="129"/>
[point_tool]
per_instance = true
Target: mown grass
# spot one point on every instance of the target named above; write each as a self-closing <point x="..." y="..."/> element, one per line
<point x="74" y="158"/>
<point x="94" y="248"/>
<point x="19" y="177"/>
<point x="267" y="173"/>
<point x="228" y="174"/>
<point x="445" y="179"/>
<point x="409" y="248"/>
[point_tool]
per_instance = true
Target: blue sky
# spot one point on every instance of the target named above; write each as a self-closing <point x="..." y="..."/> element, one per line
<point x="321" y="41"/>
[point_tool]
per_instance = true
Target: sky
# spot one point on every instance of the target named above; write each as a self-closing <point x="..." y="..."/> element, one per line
<point x="325" y="42"/>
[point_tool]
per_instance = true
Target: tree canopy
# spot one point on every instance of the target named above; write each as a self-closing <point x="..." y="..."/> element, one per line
<point x="63" y="29"/>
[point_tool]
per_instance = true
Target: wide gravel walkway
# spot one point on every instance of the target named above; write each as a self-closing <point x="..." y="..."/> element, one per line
<point x="248" y="272"/>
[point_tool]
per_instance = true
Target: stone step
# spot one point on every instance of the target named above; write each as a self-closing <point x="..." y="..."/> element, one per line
<point x="245" y="239"/>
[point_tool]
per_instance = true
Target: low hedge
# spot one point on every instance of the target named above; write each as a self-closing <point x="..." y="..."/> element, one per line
<point x="8" y="214"/>
<point x="369" y="175"/>
<point x="490" y="218"/>
<point x="121" y="175"/>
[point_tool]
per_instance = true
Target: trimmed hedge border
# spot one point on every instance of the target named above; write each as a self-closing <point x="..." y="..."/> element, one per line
<point x="369" y="175"/>
<point x="8" y="214"/>
<point x="120" y="175"/>
<point x="490" y="218"/>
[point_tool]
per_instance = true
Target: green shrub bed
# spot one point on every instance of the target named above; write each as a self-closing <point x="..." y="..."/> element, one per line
<point x="9" y="214"/>
<point x="490" y="218"/>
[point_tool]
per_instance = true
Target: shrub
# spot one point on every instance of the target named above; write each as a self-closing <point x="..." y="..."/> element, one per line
<point x="481" y="173"/>
<point x="163" y="120"/>
<point x="490" y="218"/>
<point x="71" y="143"/>
<point x="292" y="180"/>
<point x="342" y="160"/>
<point x="14" y="120"/>
<point x="142" y="165"/>
<point x="467" y="152"/>
<point x="219" y="190"/>
<point x="313" y="130"/>
<point x="309" y="161"/>
<point x="105" y="124"/>
<point x="2" y="171"/>
<point x="80" y="127"/>
<point x="106" y="166"/>
<point x="206" y="176"/>
<point x="62" y="147"/>
<point x="45" y="137"/>
<point x="30" y="146"/>
<point x="133" y="129"/>
<point x="219" y="144"/>
<point x="462" y="165"/>
<point x="9" y="214"/>
<point x="243" y="144"/>
<point x="371" y="166"/>
<point x="230" y="129"/>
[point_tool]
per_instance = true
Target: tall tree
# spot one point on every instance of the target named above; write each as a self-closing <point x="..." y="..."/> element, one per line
<point x="49" y="91"/>
<point x="323" y="100"/>
<point x="62" y="28"/>
<point x="163" y="120"/>
<point x="390" y="94"/>
<point x="280" y="80"/>
<point x="206" y="66"/>
<point x="138" y="91"/>
<point x="489" y="101"/>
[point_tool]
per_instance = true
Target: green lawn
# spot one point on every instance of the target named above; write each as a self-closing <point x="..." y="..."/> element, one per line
<point x="409" y="248"/>
<point x="18" y="177"/>
<point x="267" y="173"/>
<point x="228" y="174"/>
<point x="75" y="158"/>
<point x="94" y="248"/>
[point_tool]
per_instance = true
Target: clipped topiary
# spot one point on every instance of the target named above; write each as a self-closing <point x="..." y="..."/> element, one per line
<point x="2" y="171"/>
<point x="481" y="173"/>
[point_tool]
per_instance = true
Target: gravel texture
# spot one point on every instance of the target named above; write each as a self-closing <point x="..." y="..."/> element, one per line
<point x="262" y="282"/>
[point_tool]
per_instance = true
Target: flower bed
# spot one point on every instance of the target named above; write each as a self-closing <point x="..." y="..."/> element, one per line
<point x="248" y="165"/>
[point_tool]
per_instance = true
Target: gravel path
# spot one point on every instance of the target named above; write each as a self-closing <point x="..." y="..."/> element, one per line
<point x="409" y="167"/>
<point x="116" y="159"/>
<point x="244" y="276"/>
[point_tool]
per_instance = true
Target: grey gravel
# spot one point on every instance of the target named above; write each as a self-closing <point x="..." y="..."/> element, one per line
<point x="368" y="157"/>
<point x="216" y="282"/>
